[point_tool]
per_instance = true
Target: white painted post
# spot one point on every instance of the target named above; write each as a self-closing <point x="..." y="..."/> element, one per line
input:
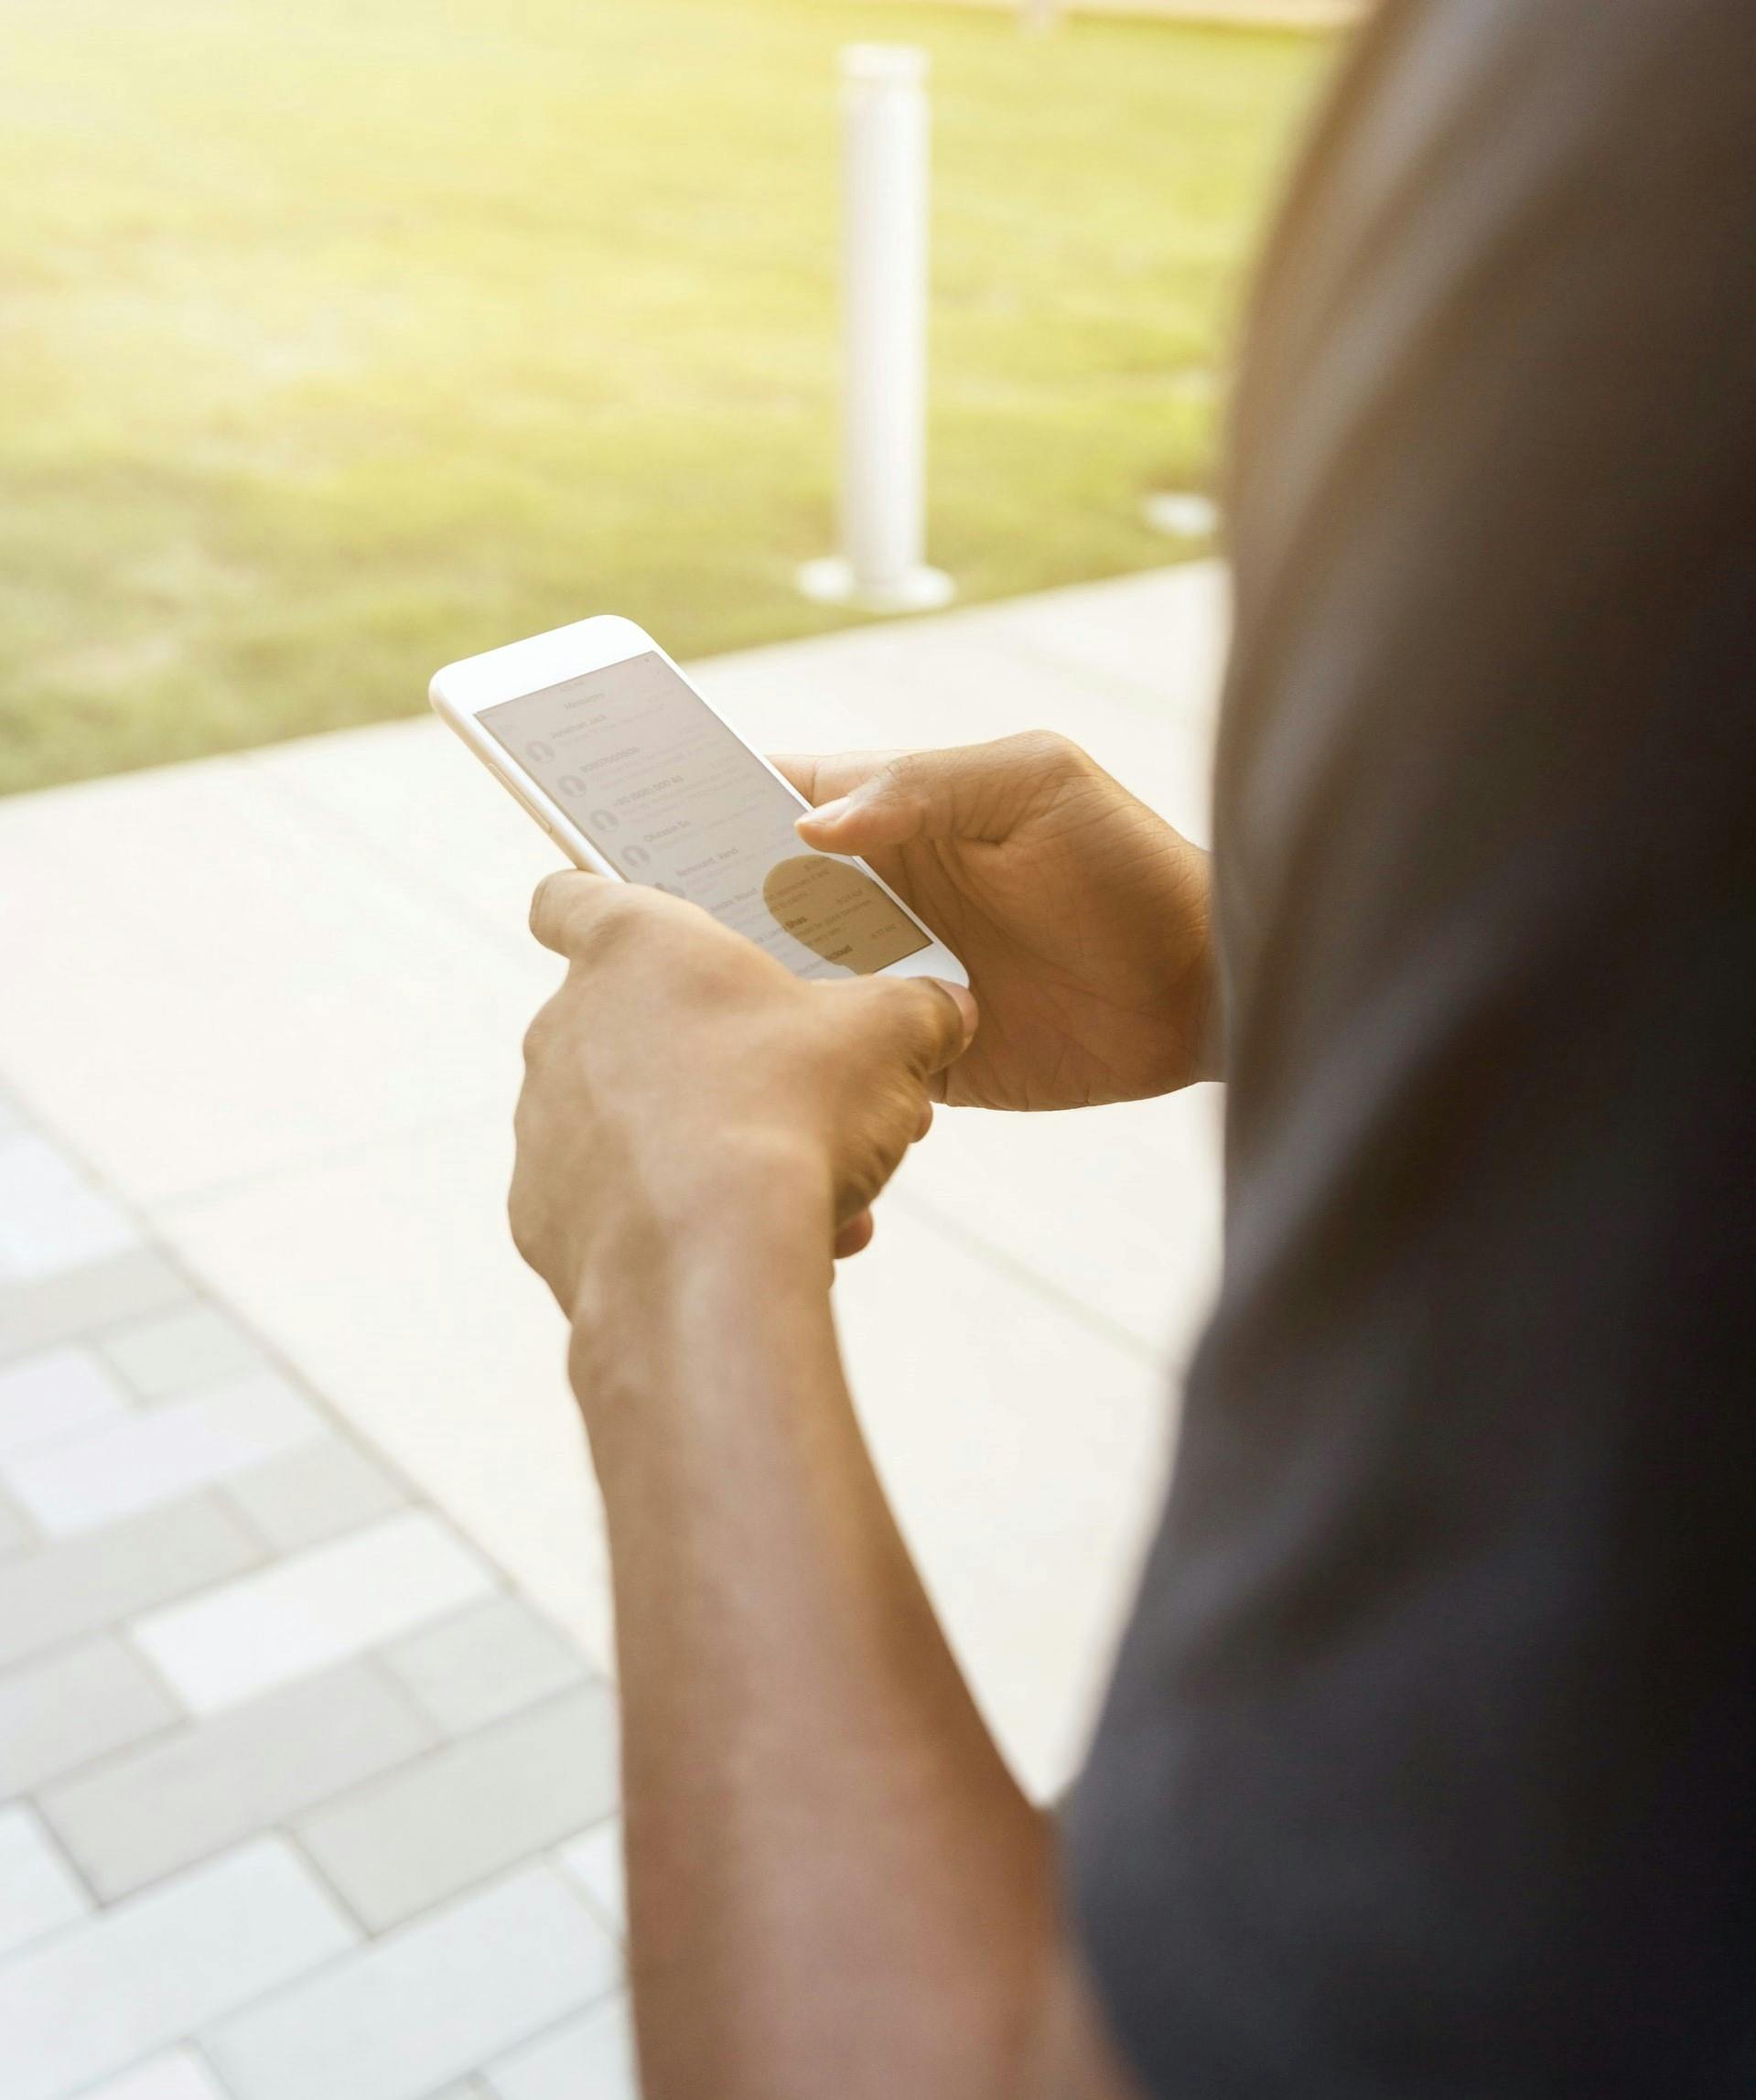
<point x="881" y="567"/>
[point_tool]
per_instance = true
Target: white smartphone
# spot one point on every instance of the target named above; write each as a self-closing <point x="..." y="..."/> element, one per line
<point x="633" y="775"/>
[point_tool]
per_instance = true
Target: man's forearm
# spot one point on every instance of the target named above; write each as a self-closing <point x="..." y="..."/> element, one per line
<point x="835" y="1886"/>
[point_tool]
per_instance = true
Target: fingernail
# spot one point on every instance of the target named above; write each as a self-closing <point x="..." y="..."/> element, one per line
<point x="825" y="812"/>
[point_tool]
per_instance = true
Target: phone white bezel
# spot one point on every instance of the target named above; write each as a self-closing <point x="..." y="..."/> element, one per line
<point x="461" y="691"/>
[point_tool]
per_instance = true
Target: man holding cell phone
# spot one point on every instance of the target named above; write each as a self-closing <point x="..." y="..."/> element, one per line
<point x="1427" y="1765"/>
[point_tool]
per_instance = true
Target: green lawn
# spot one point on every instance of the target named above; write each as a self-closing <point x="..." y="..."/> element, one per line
<point x="342" y="337"/>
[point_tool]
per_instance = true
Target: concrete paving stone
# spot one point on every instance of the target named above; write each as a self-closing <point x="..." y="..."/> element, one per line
<point x="380" y="783"/>
<point x="1141" y="1178"/>
<point x="16" y="1534"/>
<point x="269" y="1015"/>
<point x="38" y="1893"/>
<point x="384" y="1271"/>
<point x="485" y="1664"/>
<point x="1163" y="633"/>
<point x="1024" y="1452"/>
<point x="972" y="687"/>
<point x="114" y="1467"/>
<point x="109" y="1992"/>
<point x="594" y="1861"/>
<point x="398" y="2020"/>
<point x="314" y="1494"/>
<point x="193" y="1793"/>
<point x="388" y="1278"/>
<point x="178" y="2076"/>
<point x="55" y="1394"/>
<point x="176" y="1351"/>
<point x="79" y="1585"/>
<point x="589" y="2058"/>
<point x="36" y="1315"/>
<point x="397" y="1845"/>
<point x="319" y="1608"/>
<point x="73" y="1705"/>
<point x="52" y="1218"/>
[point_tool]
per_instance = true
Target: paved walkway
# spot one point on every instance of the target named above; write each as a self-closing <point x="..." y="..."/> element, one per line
<point x="346" y="1800"/>
<point x="305" y="1734"/>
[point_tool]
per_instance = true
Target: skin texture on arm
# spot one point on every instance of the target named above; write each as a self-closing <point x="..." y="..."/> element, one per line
<point x="835" y="1886"/>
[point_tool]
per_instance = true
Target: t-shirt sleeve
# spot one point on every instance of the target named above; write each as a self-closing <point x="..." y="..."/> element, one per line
<point x="1429" y="1762"/>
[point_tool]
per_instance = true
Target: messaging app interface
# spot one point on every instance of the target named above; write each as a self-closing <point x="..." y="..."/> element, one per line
<point x="670" y="797"/>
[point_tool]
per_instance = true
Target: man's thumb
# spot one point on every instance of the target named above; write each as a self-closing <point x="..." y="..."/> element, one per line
<point x="936" y="1021"/>
<point x="920" y="794"/>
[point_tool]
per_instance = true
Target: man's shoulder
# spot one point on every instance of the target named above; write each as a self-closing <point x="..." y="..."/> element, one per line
<point x="1487" y="178"/>
<point x="1454" y="121"/>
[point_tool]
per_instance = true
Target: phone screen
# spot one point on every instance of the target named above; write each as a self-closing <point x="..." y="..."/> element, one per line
<point x="670" y="797"/>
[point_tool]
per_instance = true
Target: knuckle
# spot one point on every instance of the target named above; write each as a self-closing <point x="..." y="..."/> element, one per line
<point x="521" y="1211"/>
<point x="1048" y="753"/>
<point x="540" y="1035"/>
<point x="907" y="778"/>
<point x="546" y="904"/>
<point x="607" y="924"/>
<point x="558" y="910"/>
<point x="528" y="1242"/>
<point x="580" y="916"/>
<point x="609" y="927"/>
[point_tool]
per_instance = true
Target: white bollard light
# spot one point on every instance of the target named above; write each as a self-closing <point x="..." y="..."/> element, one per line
<point x="882" y="566"/>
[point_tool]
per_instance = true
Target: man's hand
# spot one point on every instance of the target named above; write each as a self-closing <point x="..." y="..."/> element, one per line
<point x="1082" y="917"/>
<point x="680" y="1067"/>
<point x="834" y="1884"/>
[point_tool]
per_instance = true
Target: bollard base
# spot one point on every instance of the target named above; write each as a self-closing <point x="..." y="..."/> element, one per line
<point x="832" y="581"/>
<point x="1180" y="516"/>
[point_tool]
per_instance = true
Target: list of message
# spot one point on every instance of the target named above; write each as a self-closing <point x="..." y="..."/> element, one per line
<point x="671" y="798"/>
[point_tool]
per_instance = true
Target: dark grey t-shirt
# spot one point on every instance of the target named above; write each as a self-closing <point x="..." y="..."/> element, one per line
<point x="1429" y="1767"/>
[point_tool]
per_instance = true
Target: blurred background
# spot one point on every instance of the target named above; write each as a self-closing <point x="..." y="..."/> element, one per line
<point x="342" y="341"/>
<point x="347" y="337"/>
